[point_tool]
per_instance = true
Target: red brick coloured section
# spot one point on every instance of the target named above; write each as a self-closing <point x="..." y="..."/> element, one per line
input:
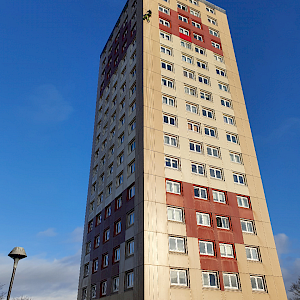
<point x="175" y="23"/>
<point x="191" y="205"/>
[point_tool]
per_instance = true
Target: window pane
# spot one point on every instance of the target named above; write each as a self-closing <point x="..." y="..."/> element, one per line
<point x="173" y="277"/>
<point x="182" y="277"/>
<point x="172" y="243"/>
<point x="180" y="245"/>
<point x="212" y="280"/>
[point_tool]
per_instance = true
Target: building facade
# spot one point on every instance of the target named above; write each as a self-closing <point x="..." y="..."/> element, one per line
<point x="175" y="208"/>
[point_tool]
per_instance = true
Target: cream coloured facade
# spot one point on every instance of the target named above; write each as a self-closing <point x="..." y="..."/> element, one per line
<point x="176" y="207"/>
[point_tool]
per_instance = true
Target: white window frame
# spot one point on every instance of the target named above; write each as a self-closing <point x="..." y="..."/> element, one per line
<point x="131" y="192"/>
<point x="239" y="178"/>
<point x="115" y="284"/>
<point x="189" y="74"/>
<point x="232" y="280"/>
<point x="164" y="22"/>
<point x="178" y="242"/>
<point x="167" y="82"/>
<point x="166" y="50"/>
<point x="198" y="169"/>
<point x="210" y="131"/>
<point x="216" y="45"/>
<point x="186" y="44"/>
<point x="130" y="247"/>
<point x="93" y="291"/>
<point x="182" y="6"/>
<point x="212" y="21"/>
<point x="213" y="32"/>
<point x="224" y="221"/>
<point x="192" y="91"/>
<point x="198" y="37"/>
<point x="165" y="35"/>
<point x="202" y="64"/>
<point x="164" y="9"/>
<point x="205" y="95"/>
<point x="173" y="187"/>
<point x="179" y="274"/>
<point x="216" y="173"/>
<point x="196" y="24"/>
<point x="251" y="251"/>
<point x="195" y="13"/>
<point x="235" y="157"/>
<point x="213" y="151"/>
<point x="203" y="79"/>
<point x="219" y="197"/>
<point x="175" y="214"/>
<point x="208" y="113"/>
<point x="223" y="86"/>
<point x="168" y="100"/>
<point x="172" y="162"/>
<point x="191" y="107"/>
<point x="226" y="103"/>
<point x="232" y="138"/>
<point x="255" y="279"/>
<point x="184" y="31"/>
<point x="242" y="201"/>
<point x="183" y="18"/>
<point x="196" y="146"/>
<point x="171" y="140"/>
<point x="194" y="126"/>
<point x="205" y="219"/>
<point x="206" y="278"/>
<point x="226" y="250"/>
<point x="200" y="50"/>
<point x="206" y="244"/>
<point x="129" y="280"/>
<point x="249" y="226"/>
<point x="187" y="58"/>
<point x="171" y="120"/>
<point x="229" y="120"/>
<point x="202" y="192"/>
<point x="221" y="72"/>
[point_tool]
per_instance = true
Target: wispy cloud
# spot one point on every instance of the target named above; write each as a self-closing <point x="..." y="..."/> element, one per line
<point x="42" y="279"/>
<point x="46" y="104"/>
<point x="50" y="232"/>
<point x="76" y="235"/>
<point x="282" y="243"/>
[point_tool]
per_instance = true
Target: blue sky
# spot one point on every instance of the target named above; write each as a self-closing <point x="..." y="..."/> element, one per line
<point x="49" y="58"/>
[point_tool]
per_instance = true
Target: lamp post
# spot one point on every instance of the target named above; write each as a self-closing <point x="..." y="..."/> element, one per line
<point x="16" y="254"/>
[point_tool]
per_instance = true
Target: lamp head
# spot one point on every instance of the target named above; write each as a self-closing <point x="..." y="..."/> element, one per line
<point x="17" y="253"/>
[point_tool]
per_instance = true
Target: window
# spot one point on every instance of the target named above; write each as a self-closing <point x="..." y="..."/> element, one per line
<point x="203" y="79"/>
<point x="122" y="120"/>
<point x="232" y="138"/>
<point x="122" y="104"/>
<point x="90" y="226"/>
<point x="195" y="13"/>
<point x="184" y="31"/>
<point x="131" y="192"/>
<point x="210" y="131"/>
<point x="188" y="74"/>
<point x="185" y="44"/>
<point x="198" y="168"/>
<point x="110" y="169"/>
<point x="132" y="107"/>
<point x="193" y="126"/>
<point x="132" y="125"/>
<point x="239" y="178"/>
<point x="219" y="58"/>
<point x="191" y="107"/>
<point x="226" y="250"/>
<point x="200" y="193"/>
<point x="209" y="113"/>
<point x="106" y="235"/>
<point x="164" y="22"/>
<point x="121" y="138"/>
<point x="200" y="50"/>
<point x="131" y="146"/>
<point x="103" y="288"/>
<point x="205" y="95"/>
<point x="171" y="162"/>
<point x="206" y="248"/>
<point x="97" y="241"/>
<point x="215" y="173"/>
<point x="211" y="10"/>
<point x="86" y="270"/>
<point x="235" y="157"/>
<point x="195" y="24"/>
<point x="129" y="280"/>
<point x="213" y="151"/>
<point x="215" y="45"/>
<point x="212" y="21"/>
<point x="257" y="283"/>
<point x="115" y="284"/>
<point x="120" y="158"/>
<point x="198" y="37"/>
<point x="203" y="219"/>
<point x="190" y="90"/>
<point x="168" y="100"/>
<point x="228" y="119"/>
<point x="93" y="291"/>
<point x="166" y="50"/>
<point x="252" y="253"/>
<point x="242" y="201"/>
<point x="84" y="294"/>
<point x="130" y="247"/>
<point x="170" y="140"/>
<point x="131" y="167"/>
<point x="222" y="222"/>
<point x="187" y="58"/>
<point x="88" y="247"/>
<point x="117" y="253"/>
<point x="221" y="72"/>
<point x="166" y="65"/>
<point x="230" y="281"/>
<point x="219" y="197"/>
<point x="107" y="211"/>
<point x="210" y="279"/>
<point x="167" y="82"/>
<point x="98" y="219"/>
<point x="181" y="6"/>
<point x="247" y="226"/>
<point x="196" y="147"/>
<point x="213" y="32"/>
<point x="118" y="227"/>
<point x="163" y="9"/>
<point x="175" y="214"/>
<point x="178" y="277"/>
<point x="105" y="260"/>
<point x="195" y="2"/>
<point x="95" y="265"/>
<point x="176" y="244"/>
<point x="183" y="19"/>
<point x="168" y="119"/>
<point x="223" y="87"/>
<point x="173" y="187"/>
<point x="130" y="219"/>
<point x="202" y="64"/>
<point x="165" y="36"/>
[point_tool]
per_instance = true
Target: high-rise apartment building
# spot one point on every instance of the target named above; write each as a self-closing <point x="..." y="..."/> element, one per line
<point x="175" y="208"/>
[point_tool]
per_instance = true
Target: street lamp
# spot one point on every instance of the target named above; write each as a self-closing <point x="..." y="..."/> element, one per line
<point x="16" y="254"/>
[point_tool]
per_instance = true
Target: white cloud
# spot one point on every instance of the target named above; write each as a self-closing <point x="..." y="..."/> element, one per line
<point x="42" y="279"/>
<point x="77" y="235"/>
<point x="282" y="243"/>
<point x="46" y="104"/>
<point x="50" y="232"/>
